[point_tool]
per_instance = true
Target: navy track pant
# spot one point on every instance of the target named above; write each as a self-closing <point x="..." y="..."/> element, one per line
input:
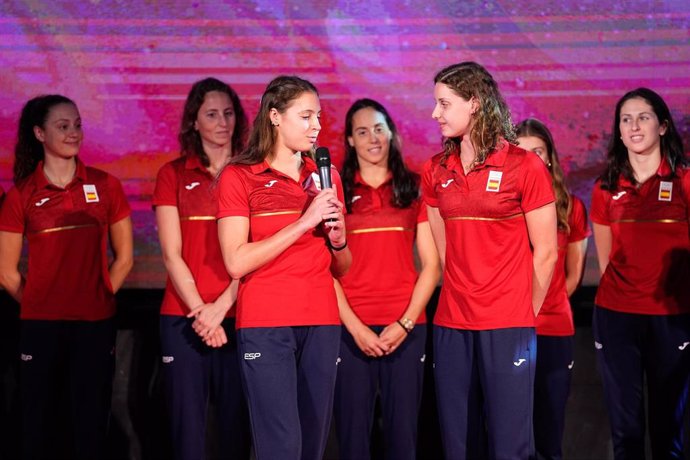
<point x="484" y="389"/>
<point x="630" y="347"/>
<point x="84" y="353"/>
<point x="289" y="375"/>
<point x="194" y="375"/>
<point x="398" y="377"/>
<point x="551" y="390"/>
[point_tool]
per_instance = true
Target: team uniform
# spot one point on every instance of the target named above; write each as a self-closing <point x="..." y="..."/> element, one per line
<point x="484" y="337"/>
<point x="642" y="315"/>
<point x="378" y="287"/>
<point x="287" y="313"/>
<point x="555" y="330"/>
<point x="68" y="305"/>
<point x="192" y="370"/>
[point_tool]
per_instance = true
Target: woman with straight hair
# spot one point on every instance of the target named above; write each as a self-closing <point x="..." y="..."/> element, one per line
<point x="67" y="212"/>
<point x="197" y="322"/>
<point x="555" y="328"/>
<point x="382" y="348"/>
<point x="642" y="308"/>
<point x="283" y="236"/>
<point x="492" y="214"/>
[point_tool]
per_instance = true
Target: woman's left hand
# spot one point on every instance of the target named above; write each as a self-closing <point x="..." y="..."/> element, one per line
<point x="336" y="228"/>
<point x="208" y="318"/>
<point x="393" y="335"/>
<point x="217" y="338"/>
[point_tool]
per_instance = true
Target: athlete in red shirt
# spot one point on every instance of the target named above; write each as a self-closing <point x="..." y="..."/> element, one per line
<point x="213" y="127"/>
<point x="642" y="315"/>
<point x="283" y="238"/>
<point x="555" y="327"/>
<point x="383" y="345"/>
<point x="66" y="211"/>
<point x="488" y="201"/>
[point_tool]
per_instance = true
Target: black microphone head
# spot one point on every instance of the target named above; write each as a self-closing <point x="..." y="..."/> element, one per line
<point x="323" y="157"/>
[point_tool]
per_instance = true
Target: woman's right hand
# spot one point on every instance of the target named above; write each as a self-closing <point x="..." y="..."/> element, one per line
<point x="324" y="206"/>
<point x="370" y="343"/>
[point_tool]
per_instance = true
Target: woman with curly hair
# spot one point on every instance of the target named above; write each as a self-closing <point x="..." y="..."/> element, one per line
<point x="492" y="213"/>
<point x="555" y="328"/>
<point x="197" y="322"/>
<point x="642" y="309"/>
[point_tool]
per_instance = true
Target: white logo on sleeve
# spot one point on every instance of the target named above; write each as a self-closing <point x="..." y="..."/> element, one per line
<point x="167" y="359"/>
<point x="42" y="201"/>
<point x="192" y="186"/>
<point x="25" y="357"/>
<point x="682" y="347"/>
<point x="618" y="195"/>
<point x="270" y="183"/>
<point x="447" y="183"/>
<point x="519" y="362"/>
<point x="572" y="363"/>
<point x="355" y="198"/>
<point x="597" y="345"/>
<point x="251" y="356"/>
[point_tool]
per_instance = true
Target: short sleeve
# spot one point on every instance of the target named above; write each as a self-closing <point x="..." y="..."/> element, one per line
<point x="165" y="193"/>
<point x="12" y="212"/>
<point x="233" y="198"/>
<point x="422" y="215"/>
<point x="599" y="210"/>
<point x="537" y="188"/>
<point x="428" y="188"/>
<point x="579" y="228"/>
<point x="118" y="206"/>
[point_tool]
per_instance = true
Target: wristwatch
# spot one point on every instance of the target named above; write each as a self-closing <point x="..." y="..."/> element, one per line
<point x="407" y="323"/>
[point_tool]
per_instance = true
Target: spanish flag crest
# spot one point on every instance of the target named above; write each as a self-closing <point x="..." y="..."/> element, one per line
<point x="665" y="191"/>
<point x="494" y="182"/>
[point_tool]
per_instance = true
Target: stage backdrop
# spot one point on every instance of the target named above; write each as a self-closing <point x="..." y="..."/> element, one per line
<point x="129" y="64"/>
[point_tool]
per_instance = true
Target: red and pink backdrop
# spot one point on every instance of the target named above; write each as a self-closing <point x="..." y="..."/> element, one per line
<point x="129" y="65"/>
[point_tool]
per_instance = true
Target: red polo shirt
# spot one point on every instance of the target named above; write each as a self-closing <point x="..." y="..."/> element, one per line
<point x="67" y="233"/>
<point x="186" y="184"/>
<point x="295" y="288"/>
<point x="556" y="316"/>
<point x="648" y="271"/>
<point x="487" y="281"/>
<point x="381" y="237"/>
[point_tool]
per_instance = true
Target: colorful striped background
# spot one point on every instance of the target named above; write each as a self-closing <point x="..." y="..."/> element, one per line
<point x="129" y="65"/>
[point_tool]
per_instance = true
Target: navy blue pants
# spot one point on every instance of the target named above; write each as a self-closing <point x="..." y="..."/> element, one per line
<point x="84" y="352"/>
<point x="288" y="375"/>
<point x="628" y="348"/>
<point x="484" y="389"/>
<point x="551" y="390"/>
<point x="195" y="374"/>
<point x="399" y="378"/>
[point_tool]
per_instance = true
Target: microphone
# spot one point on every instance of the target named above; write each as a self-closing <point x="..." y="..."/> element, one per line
<point x="323" y="162"/>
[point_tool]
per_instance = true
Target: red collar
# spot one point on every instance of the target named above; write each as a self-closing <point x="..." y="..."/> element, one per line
<point x="308" y="167"/>
<point x="662" y="172"/>
<point x="496" y="158"/>
<point x="360" y="181"/>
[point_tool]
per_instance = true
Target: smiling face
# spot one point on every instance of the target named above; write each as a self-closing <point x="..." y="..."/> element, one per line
<point x="61" y="134"/>
<point x="537" y="145"/>
<point x="452" y="112"/>
<point x="215" y="120"/>
<point x="371" y="137"/>
<point x="640" y="128"/>
<point x="299" y="125"/>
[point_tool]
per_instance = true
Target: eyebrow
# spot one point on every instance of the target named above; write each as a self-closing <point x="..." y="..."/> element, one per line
<point x="375" y="126"/>
<point x="639" y="113"/>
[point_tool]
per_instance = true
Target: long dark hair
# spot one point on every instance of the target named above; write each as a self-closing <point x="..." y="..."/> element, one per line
<point x="28" y="151"/>
<point x="280" y="92"/>
<point x="534" y="127"/>
<point x="189" y="138"/>
<point x="405" y="182"/>
<point x="671" y="144"/>
<point x="492" y="120"/>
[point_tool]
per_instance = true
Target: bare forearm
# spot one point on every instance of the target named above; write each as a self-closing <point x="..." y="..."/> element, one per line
<point x="423" y="290"/>
<point x="543" y="263"/>
<point x="13" y="282"/>
<point x="249" y="256"/>
<point x="119" y="270"/>
<point x="183" y="281"/>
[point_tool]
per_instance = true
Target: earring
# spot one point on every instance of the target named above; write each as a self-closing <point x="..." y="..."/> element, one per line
<point x="275" y="124"/>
